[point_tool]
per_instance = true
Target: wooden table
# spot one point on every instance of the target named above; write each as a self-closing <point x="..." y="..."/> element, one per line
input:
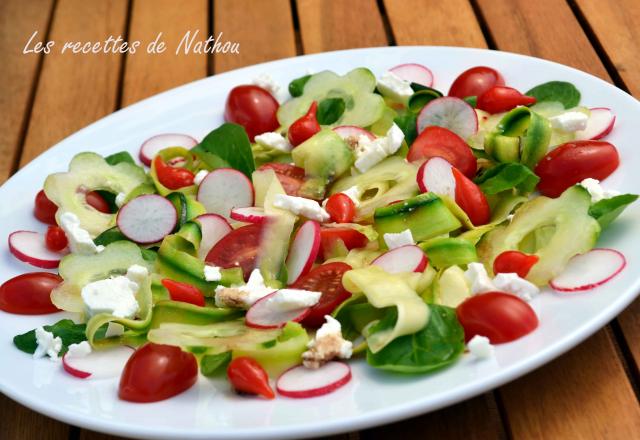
<point x="589" y="393"/>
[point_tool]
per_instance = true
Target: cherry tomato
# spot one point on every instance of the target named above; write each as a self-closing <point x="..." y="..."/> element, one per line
<point x="95" y="200"/>
<point x="573" y="162"/>
<point x="514" y="262"/>
<point x="172" y="178"/>
<point x="499" y="316"/>
<point x="183" y="292"/>
<point x="330" y="237"/>
<point x="327" y="279"/>
<point x="475" y="81"/>
<point x="29" y="294"/>
<point x="252" y="107"/>
<point x="500" y="99"/>
<point x="239" y="248"/>
<point x="44" y="209"/>
<point x="439" y="141"/>
<point x="305" y="127"/>
<point x="247" y="376"/>
<point x="156" y="372"/>
<point x="55" y="239"/>
<point x="341" y="208"/>
<point x="290" y="176"/>
<point x="471" y="199"/>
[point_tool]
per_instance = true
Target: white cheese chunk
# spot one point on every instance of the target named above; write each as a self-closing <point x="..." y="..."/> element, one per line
<point x="120" y="198"/>
<point x="267" y="82"/>
<point x="274" y="140"/>
<point x="596" y="191"/>
<point x="199" y="177"/>
<point x="478" y="279"/>
<point x="80" y="241"/>
<point x="243" y="296"/>
<point x="300" y="206"/>
<point x="114" y="330"/>
<point x="395" y="240"/>
<point x="480" y="347"/>
<point x="569" y="121"/>
<point x="393" y="86"/>
<point x="138" y="274"/>
<point x="512" y="283"/>
<point x="115" y="296"/>
<point x="285" y="300"/>
<point x="212" y="273"/>
<point x="48" y="345"/>
<point x="79" y="350"/>
<point x="369" y="152"/>
<point x="327" y="344"/>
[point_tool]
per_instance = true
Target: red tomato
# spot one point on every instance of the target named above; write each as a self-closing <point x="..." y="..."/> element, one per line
<point x="252" y="107"/>
<point x="305" y="127"/>
<point x="514" y="262"/>
<point x="29" y="294"/>
<point x="183" y="292"/>
<point x="499" y="316"/>
<point x="156" y="372"/>
<point x="351" y="238"/>
<point x="55" y="239"/>
<point x="239" y="248"/>
<point x="45" y="209"/>
<point x="95" y="200"/>
<point x="439" y="141"/>
<point x="290" y="176"/>
<point x="341" y="208"/>
<point x="247" y="376"/>
<point x="475" y="81"/>
<point x="172" y="178"/>
<point x="471" y="199"/>
<point x="573" y="162"/>
<point x="327" y="279"/>
<point x="500" y="99"/>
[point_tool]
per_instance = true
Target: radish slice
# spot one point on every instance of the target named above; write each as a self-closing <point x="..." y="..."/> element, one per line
<point x="224" y="189"/>
<point x="154" y="144"/>
<point x="435" y="175"/>
<point x="29" y="247"/>
<point x="589" y="270"/>
<point x="351" y="133"/>
<point x="147" y="219"/>
<point x="177" y="162"/>
<point x="408" y="258"/>
<point x="100" y="364"/>
<point x="414" y="73"/>
<point x="599" y="125"/>
<point x="250" y="214"/>
<point x="213" y="227"/>
<point x="304" y="251"/>
<point x="263" y="314"/>
<point x="449" y="112"/>
<point x="301" y="382"/>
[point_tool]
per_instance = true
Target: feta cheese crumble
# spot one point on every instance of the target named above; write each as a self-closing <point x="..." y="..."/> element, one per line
<point x="370" y="152"/>
<point x="115" y="295"/>
<point x="480" y="347"/>
<point x="596" y="191"/>
<point x="243" y="296"/>
<point x="395" y="240"/>
<point x="286" y="300"/>
<point x="569" y="121"/>
<point x="120" y="198"/>
<point x="80" y="241"/>
<point x="512" y="283"/>
<point x="478" y="279"/>
<point x="354" y="194"/>
<point x="395" y="87"/>
<point x="48" y="345"/>
<point x="267" y="82"/>
<point x="199" y="177"/>
<point x="300" y="206"/>
<point x="212" y="273"/>
<point x="274" y="140"/>
<point x="79" y="350"/>
<point x="114" y="330"/>
<point x="327" y="344"/>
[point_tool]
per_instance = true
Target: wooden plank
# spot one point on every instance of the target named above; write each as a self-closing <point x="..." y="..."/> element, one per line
<point x="18" y="71"/>
<point x="340" y="24"/>
<point x="76" y="89"/>
<point x="18" y="422"/>
<point x="438" y="29"/>
<point x="270" y="37"/>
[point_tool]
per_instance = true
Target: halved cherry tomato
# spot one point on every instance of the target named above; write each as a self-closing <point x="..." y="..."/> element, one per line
<point x="95" y="200"/>
<point x="501" y="99"/>
<point x="327" y="279"/>
<point x="290" y="176"/>
<point x="183" y="292"/>
<point x="514" y="262"/>
<point x="573" y="162"/>
<point x="471" y="199"/>
<point x="304" y="127"/>
<point x="246" y="375"/>
<point x="252" y="107"/>
<point x="341" y="208"/>
<point x="44" y="209"/>
<point x="239" y="248"/>
<point x="439" y="141"/>
<point x="499" y="316"/>
<point x="156" y="372"/>
<point x="55" y="239"/>
<point x="475" y="81"/>
<point x="330" y="237"/>
<point x="172" y="178"/>
<point x="29" y="294"/>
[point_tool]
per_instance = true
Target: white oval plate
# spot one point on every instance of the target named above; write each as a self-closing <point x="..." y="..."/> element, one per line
<point x="210" y="410"/>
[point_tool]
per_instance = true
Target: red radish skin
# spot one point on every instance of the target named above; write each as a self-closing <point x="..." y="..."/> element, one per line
<point x="100" y="364"/>
<point x="224" y="189"/>
<point x="250" y="214"/>
<point x="147" y="219"/>
<point x="435" y="175"/>
<point x="589" y="270"/>
<point x="449" y="112"/>
<point x="600" y="124"/>
<point x="304" y="251"/>
<point x="301" y="382"/>
<point x="261" y="316"/>
<point x="29" y="247"/>
<point x="414" y="73"/>
<point x="153" y="145"/>
<point x="214" y="227"/>
<point x="72" y="371"/>
<point x="408" y="258"/>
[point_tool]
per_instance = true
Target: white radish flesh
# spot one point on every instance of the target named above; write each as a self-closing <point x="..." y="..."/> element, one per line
<point x="147" y="219"/>
<point x="29" y="247"/>
<point x="449" y="112"/>
<point x="224" y="189"/>
<point x="589" y="270"/>
<point x="263" y="315"/>
<point x="153" y="145"/>
<point x="408" y="258"/>
<point x="251" y="214"/>
<point x="301" y="382"/>
<point x="600" y="124"/>
<point x="351" y="133"/>
<point x="100" y="364"/>
<point x="303" y="251"/>
<point x="414" y="73"/>
<point x="435" y="175"/>
<point x="213" y="227"/>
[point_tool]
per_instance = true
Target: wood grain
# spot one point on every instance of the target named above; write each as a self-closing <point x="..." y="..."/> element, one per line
<point x="264" y="30"/>
<point x="439" y="29"/>
<point x="18" y="71"/>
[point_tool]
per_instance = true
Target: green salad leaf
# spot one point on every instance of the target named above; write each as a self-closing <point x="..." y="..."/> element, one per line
<point x="607" y="210"/>
<point x="507" y="176"/>
<point x="214" y="364"/>
<point x="227" y="146"/>
<point x="471" y="100"/>
<point x="122" y="156"/>
<point x="330" y="110"/>
<point x="66" y="329"/>
<point x="406" y="121"/>
<point x="558" y="91"/>
<point x="296" y="87"/>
